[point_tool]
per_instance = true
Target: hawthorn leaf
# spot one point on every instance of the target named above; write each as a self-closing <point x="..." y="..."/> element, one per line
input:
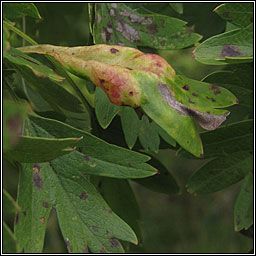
<point x="35" y="199"/>
<point x="220" y="173"/>
<point x="9" y="240"/>
<point x="104" y="109"/>
<point x="235" y="46"/>
<point x="19" y="58"/>
<point x="239" y="14"/>
<point x="119" y="24"/>
<point x="130" y="125"/>
<point x="178" y="7"/>
<point x="243" y="212"/>
<point x="93" y="155"/>
<point x="17" y="10"/>
<point x="39" y="149"/>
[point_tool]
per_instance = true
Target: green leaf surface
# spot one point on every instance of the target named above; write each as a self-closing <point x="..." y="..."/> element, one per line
<point x="13" y="116"/>
<point x="117" y="23"/>
<point x="9" y="205"/>
<point x="104" y="109"/>
<point x="148" y="136"/>
<point x="17" y="10"/>
<point x="97" y="157"/>
<point x="163" y="182"/>
<point x="19" y="58"/>
<point x="9" y="240"/>
<point x="35" y="199"/>
<point x="240" y="14"/>
<point x="234" y="46"/>
<point x="39" y="149"/>
<point x="178" y="7"/>
<point x="6" y="43"/>
<point x="243" y="212"/>
<point x="227" y="139"/>
<point x="220" y="173"/>
<point x="130" y="125"/>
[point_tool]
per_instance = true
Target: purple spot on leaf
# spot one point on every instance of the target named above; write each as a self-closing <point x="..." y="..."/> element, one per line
<point x="45" y="204"/>
<point x="17" y="217"/>
<point x="114" y="242"/>
<point x="37" y="180"/>
<point x="230" y="51"/>
<point x="113" y="50"/>
<point x="87" y="158"/>
<point x="185" y="87"/>
<point x="24" y="213"/>
<point x="84" y="196"/>
<point x="95" y="229"/>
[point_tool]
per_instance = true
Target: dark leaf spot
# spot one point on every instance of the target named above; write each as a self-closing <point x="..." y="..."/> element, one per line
<point x="194" y="94"/>
<point x="68" y="244"/>
<point x="103" y="250"/>
<point x="24" y="213"/>
<point x="113" y="50"/>
<point x="237" y="101"/>
<point x="83" y="196"/>
<point x="114" y="242"/>
<point x="73" y="53"/>
<point x="238" y="220"/>
<point x="102" y="81"/>
<point x="107" y="232"/>
<point x="36" y="168"/>
<point x="80" y="149"/>
<point x="37" y="180"/>
<point x="152" y="28"/>
<point x="131" y="93"/>
<point x="213" y="100"/>
<point x="185" y="87"/>
<point x="17" y="217"/>
<point x="95" y="229"/>
<point x="225" y="14"/>
<point x="191" y="101"/>
<point x="229" y="51"/>
<point x="216" y="89"/>
<point x="129" y="32"/>
<point x="42" y="220"/>
<point x="45" y="204"/>
<point x="87" y="158"/>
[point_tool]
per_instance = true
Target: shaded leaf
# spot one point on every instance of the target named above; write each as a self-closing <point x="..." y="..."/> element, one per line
<point x="240" y="14"/>
<point x="17" y="10"/>
<point x="243" y="212"/>
<point x="39" y="149"/>
<point x="104" y="109"/>
<point x="178" y="7"/>
<point x="9" y="240"/>
<point x="120" y="24"/>
<point x="19" y="58"/>
<point x="130" y="125"/>
<point x="148" y="136"/>
<point x="10" y="205"/>
<point x="220" y="173"/>
<point x="235" y="46"/>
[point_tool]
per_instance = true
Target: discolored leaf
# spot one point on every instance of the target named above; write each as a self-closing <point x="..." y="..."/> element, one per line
<point x="234" y="46"/>
<point x="118" y="23"/>
<point x="240" y="14"/>
<point x="17" y="10"/>
<point x="243" y="212"/>
<point x="104" y="109"/>
<point x="220" y="173"/>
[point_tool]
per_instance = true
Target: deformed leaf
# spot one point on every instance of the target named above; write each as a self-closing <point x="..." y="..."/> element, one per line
<point x="243" y="212"/>
<point x="104" y="109"/>
<point x="17" y="10"/>
<point x="118" y="23"/>
<point x="240" y="14"/>
<point x="234" y="46"/>
<point x="39" y="149"/>
<point x="220" y="173"/>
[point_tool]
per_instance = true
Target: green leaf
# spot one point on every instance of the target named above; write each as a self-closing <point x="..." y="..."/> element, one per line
<point x="10" y="205"/>
<point x="17" y="10"/>
<point x="163" y="182"/>
<point x="104" y="109"/>
<point x="240" y="14"/>
<point x="13" y="116"/>
<point x="178" y="7"/>
<point x="35" y="199"/>
<point x="148" y="137"/>
<point x="6" y="43"/>
<point x="243" y="212"/>
<point x="39" y="149"/>
<point x="9" y="240"/>
<point x="117" y="23"/>
<point x="130" y="125"/>
<point x="220" y="173"/>
<point x="19" y="58"/>
<point x="227" y="139"/>
<point x="97" y="157"/>
<point x="235" y="46"/>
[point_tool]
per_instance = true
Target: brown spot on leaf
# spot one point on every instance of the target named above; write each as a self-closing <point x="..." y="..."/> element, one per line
<point x="87" y="158"/>
<point x="24" y="213"/>
<point x="73" y="53"/>
<point x="194" y="94"/>
<point x="237" y="101"/>
<point x="42" y="220"/>
<point x="238" y="220"/>
<point x="80" y="149"/>
<point x="70" y="249"/>
<point x="186" y="87"/>
<point x="37" y="180"/>
<point x="229" y="50"/>
<point x="103" y="250"/>
<point x="191" y="101"/>
<point x="95" y="229"/>
<point x="152" y="28"/>
<point x="36" y="168"/>
<point x="131" y="93"/>
<point x="129" y="32"/>
<point x="83" y="196"/>
<point x="114" y="242"/>
<point x="216" y="89"/>
<point x="113" y="50"/>
<point x="17" y="217"/>
<point x="45" y="204"/>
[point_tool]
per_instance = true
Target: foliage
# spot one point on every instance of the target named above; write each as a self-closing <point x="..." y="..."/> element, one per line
<point x="57" y="124"/>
